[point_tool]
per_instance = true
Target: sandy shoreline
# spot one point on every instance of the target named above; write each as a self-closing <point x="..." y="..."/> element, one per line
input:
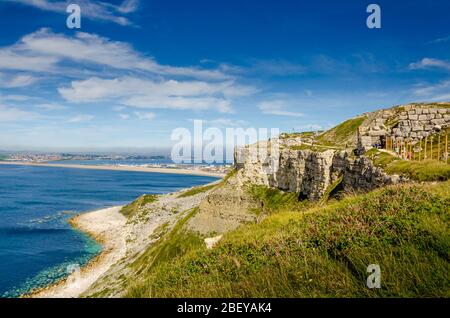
<point x="107" y="227"/>
<point x="196" y="172"/>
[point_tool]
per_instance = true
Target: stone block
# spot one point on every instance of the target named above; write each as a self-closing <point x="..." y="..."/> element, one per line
<point x="423" y="117"/>
<point x="438" y="121"/>
<point x="413" y="117"/>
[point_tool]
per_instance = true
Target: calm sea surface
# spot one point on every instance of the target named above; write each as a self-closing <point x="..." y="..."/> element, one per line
<point x="36" y="243"/>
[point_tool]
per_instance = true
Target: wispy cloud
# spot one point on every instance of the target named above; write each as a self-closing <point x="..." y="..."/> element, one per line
<point x="51" y="107"/>
<point x="441" y="40"/>
<point x="428" y="63"/>
<point x="433" y="92"/>
<point x="12" y="114"/>
<point x="94" y="10"/>
<point x="145" y="116"/>
<point x="13" y="81"/>
<point x="124" y="116"/>
<point x="45" y="51"/>
<point x="144" y="93"/>
<point x="277" y="108"/>
<point x="80" y="118"/>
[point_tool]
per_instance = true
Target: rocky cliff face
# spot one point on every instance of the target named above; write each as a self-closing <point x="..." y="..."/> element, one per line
<point x="311" y="173"/>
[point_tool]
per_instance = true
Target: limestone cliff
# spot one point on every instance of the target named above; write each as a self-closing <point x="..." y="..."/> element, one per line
<point x="310" y="165"/>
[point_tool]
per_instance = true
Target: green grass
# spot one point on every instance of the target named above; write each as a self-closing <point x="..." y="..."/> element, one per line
<point x="315" y="148"/>
<point x="426" y="170"/>
<point x="341" y="134"/>
<point x="177" y="242"/>
<point x="332" y="190"/>
<point x="196" y="190"/>
<point x="274" y="200"/>
<point x="323" y="252"/>
<point x="305" y="134"/>
<point x="208" y="187"/>
<point x="132" y="208"/>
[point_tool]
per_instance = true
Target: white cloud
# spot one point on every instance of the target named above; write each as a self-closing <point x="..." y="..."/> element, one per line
<point x="94" y="10"/>
<point x="11" y="114"/>
<point x="124" y="116"/>
<point x="427" y="63"/>
<point x="433" y="92"/>
<point x="44" y="50"/>
<point x="50" y="106"/>
<point x="14" y="81"/>
<point x="277" y="108"/>
<point x="180" y="103"/>
<point x="80" y="118"/>
<point x="14" y="98"/>
<point x="441" y="40"/>
<point x="145" y="116"/>
<point x="17" y="59"/>
<point x="276" y="67"/>
<point x="143" y="93"/>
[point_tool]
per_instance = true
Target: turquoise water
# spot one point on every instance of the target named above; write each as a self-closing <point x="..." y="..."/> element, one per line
<point x="36" y="243"/>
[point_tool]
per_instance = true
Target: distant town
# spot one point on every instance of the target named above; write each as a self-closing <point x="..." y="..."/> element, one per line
<point x="118" y="161"/>
<point x="49" y="157"/>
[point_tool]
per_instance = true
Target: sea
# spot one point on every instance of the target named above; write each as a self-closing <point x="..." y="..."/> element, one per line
<point x="37" y="245"/>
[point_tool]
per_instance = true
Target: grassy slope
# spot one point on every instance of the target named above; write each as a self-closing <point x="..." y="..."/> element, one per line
<point x="322" y="252"/>
<point x="197" y="190"/>
<point x="341" y="134"/>
<point x="427" y="170"/>
<point x="132" y="208"/>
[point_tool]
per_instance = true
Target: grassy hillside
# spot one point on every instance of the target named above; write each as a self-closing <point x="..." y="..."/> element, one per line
<point x="342" y="134"/>
<point x="320" y="251"/>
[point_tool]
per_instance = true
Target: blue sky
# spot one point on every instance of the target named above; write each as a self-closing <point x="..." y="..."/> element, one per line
<point x="138" y="69"/>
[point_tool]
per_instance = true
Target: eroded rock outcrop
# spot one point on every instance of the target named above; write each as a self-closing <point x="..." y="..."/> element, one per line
<point x="310" y="173"/>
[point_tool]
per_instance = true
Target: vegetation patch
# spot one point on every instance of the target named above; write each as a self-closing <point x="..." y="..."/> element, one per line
<point x="305" y="134"/>
<point x="426" y="170"/>
<point x="342" y="134"/>
<point x="172" y="245"/>
<point x="196" y="190"/>
<point x="274" y="200"/>
<point x="323" y="252"/>
<point x="134" y="207"/>
<point x="332" y="190"/>
<point x="315" y="147"/>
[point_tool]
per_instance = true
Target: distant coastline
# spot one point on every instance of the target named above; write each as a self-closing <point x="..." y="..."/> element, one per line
<point x="196" y="172"/>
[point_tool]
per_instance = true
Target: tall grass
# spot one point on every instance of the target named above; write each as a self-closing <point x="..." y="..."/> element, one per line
<point x="426" y="170"/>
<point x="323" y="252"/>
<point x="341" y="134"/>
